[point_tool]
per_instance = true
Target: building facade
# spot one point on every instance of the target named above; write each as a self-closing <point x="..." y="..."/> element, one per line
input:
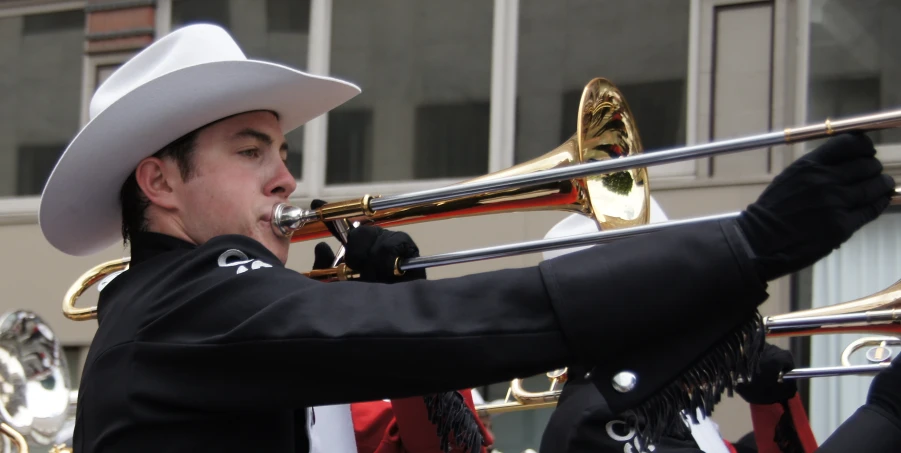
<point x="454" y="90"/>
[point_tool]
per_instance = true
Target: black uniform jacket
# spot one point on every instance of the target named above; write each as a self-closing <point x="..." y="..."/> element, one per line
<point x="581" y="423"/>
<point x="199" y="349"/>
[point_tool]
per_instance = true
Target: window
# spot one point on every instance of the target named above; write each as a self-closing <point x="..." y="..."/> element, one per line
<point x="40" y="88"/>
<point x="854" y="61"/>
<point x="455" y="135"/>
<point x="425" y="70"/>
<point x="639" y="45"/>
<point x="270" y="30"/>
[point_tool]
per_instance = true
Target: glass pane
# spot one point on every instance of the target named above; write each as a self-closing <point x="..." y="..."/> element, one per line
<point x="270" y="30"/>
<point x="639" y="45"/>
<point x="425" y="71"/>
<point x="40" y="95"/>
<point x="521" y="430"/>
<point x="855" y="61"/>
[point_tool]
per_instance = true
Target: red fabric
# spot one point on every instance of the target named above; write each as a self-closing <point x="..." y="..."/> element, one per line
<point x="402" y="426"/>
<point x="765" y="418"/>
<point x="730" y="446"/>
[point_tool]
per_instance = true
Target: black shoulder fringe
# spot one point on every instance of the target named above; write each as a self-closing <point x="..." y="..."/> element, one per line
<point x="730" y="362"/>
<point x="449" y="412"/>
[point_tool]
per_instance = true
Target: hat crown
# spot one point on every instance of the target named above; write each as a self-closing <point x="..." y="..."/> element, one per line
<point x="189" y="46"/>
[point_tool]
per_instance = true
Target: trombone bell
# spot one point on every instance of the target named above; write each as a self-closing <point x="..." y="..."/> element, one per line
<point x="605" y="130"/>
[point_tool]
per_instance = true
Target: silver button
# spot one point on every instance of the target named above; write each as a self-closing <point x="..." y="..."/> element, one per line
<point x="625" y="381"/>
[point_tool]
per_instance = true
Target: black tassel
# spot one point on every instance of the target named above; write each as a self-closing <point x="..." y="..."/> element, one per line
<point x="449" y="412"/>
<point x="733" y="360"/>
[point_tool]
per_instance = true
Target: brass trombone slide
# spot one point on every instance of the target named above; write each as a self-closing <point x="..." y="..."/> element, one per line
<point x="879" y="356"/>
<point x="342" y="272"/>
<point x="287" y="219"/>
<point x="876" y="313"/>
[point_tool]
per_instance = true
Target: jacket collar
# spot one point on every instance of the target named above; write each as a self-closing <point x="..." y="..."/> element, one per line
<point x="146" y="245"/>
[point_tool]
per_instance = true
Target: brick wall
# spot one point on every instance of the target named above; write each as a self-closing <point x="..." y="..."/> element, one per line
<point x="119" y="25"/>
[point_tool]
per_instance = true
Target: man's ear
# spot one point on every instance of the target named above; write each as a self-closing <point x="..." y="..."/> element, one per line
<point x="153" y="177"/>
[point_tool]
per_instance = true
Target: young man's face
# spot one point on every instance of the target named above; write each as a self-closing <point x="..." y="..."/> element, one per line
<point x="239" y="175"/>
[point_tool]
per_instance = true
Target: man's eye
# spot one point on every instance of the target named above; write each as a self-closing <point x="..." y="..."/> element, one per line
<point x="250" y="152"/>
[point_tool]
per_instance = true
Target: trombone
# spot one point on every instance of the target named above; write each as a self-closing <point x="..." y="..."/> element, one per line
<point x="599" y="172"/>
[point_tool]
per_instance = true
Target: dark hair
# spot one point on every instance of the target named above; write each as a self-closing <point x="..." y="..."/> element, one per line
<point x="132" y="199"/>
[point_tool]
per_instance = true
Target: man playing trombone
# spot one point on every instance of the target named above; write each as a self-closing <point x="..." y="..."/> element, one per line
<point x="209" y="343"/>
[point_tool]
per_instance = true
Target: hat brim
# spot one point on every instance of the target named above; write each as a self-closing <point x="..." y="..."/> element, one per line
<point x="79" y="211"/>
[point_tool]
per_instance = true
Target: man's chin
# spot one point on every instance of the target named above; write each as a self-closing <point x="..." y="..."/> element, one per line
<point x="278" y="247"/>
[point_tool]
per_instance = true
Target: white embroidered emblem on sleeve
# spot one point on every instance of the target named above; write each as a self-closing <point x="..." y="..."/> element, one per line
<point x="615" y="427"/>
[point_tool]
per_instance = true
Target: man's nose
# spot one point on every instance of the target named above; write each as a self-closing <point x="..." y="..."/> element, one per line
<point x="282" y="182"/>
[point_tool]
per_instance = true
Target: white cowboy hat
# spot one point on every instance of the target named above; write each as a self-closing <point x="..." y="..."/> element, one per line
<point x="190" y="78"/>
<point x="580" y="224"/>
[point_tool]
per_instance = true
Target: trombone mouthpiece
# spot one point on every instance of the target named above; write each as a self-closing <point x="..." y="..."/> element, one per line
<point x="286" y="219"/>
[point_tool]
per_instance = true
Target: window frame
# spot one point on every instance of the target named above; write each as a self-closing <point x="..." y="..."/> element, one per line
<point x="501" y="153"/>
<point x="23" y="209"/>
<point x="889" y="153"/>
<point x="311" y="184"/>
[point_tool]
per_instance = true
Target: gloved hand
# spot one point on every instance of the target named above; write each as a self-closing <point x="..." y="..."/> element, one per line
<point x="372" y="251"/>
<point x="323" y="256"/>
<point x="815" y="205"/>
<point x="765" y="387"/>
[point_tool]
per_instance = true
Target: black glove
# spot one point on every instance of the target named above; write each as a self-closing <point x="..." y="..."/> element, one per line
<point x="765" y="387"/>
<point x="372" y="251"/>
<point x="323" y="256"/>
<point x="815" y="205"/>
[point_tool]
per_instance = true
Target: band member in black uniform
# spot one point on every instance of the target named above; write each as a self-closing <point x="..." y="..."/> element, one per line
<point x="876" y="426"/>
<point x="580" y="422"/>
<point x="209" y="343"/>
